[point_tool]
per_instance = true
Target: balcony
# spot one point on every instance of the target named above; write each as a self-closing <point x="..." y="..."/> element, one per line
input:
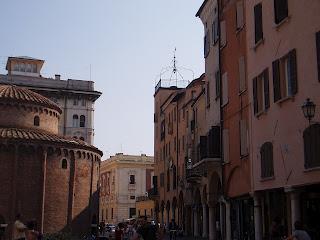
<point x="173" y="84"/>
<point x="201" y="169"/>
<point x="153" y="193"/>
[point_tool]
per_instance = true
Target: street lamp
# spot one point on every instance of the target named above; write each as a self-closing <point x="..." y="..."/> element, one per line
<point x="309" y="109"/>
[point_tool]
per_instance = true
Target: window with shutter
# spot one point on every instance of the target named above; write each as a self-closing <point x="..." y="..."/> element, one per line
<point x="258" y="23"/>
<point x="225" y="96"/>
<point x="242" y="74"/>
<point x="266" y="157"/>
<point x="206" y="42"/>
<point x="217" y="79"/>
<point x="261" y="92"/>
<point x="311" y="139"/>
<point x="285" y="82"/>
<point x="208" y="94"/>
<point x="203" y="147"/>
<point x="318" y="53"/>
<point x="215" y="31"/>
<point x="243" y="137"/>
<point x="226" y="145"/>
<point x="223" y="33"/>
<point x="280" y="10"/>
<point x="239" y="14"/>
<point x="213" y="140"/>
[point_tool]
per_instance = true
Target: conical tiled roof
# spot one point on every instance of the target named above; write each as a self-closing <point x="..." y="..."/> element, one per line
<point x="12" y="93"/>
<point x="32" y="135"/>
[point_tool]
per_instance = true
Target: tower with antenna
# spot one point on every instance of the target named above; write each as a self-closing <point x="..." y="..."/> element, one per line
<point x="174" y="76"/>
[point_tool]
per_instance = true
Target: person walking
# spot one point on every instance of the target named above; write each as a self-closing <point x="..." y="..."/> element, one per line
<point x="19" y="229"/>
<point x="173" y="229"/>
<point x="31" y="233"/>
<point x="299" y="233"/>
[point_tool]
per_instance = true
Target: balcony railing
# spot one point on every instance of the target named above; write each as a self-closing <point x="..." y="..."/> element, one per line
<point x="166" y="83"/>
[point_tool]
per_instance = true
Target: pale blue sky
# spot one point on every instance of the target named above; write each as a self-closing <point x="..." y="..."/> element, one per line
<point x="127" y="43"/>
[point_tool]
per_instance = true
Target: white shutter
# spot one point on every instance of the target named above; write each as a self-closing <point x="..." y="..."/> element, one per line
<point x="243" y="137"/>
<point x="239" y="14"/>
<point x="226" y="145"/>
<point x="242" y="74"/>
<point x="225" y="89"/>
<point x="223" y="33"/>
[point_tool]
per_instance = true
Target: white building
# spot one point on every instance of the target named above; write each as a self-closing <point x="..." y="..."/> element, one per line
<point x="75" y="97"/>
<point x="123" y="179"/>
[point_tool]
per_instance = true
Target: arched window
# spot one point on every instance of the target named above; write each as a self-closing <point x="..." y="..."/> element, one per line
<point x="311" y="139"/>
<point x="168" y="180"/>
<point x="64" y="164"/>
<point x="82" y="121"/>
<point x="75" y="120"/>
<point x="36" y="121"/>
<point x="266" y="155"/>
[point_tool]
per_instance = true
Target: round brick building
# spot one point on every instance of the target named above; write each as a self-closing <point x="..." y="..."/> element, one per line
<point x="44" y="176"/>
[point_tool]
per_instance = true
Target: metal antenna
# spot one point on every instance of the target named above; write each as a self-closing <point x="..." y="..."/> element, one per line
<point x="174" y="70"/>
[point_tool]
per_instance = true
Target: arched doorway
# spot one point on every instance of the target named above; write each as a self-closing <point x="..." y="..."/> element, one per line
<point x="168" y="213"/>
<point x="174" y="207"/>
<point x="216" y="228"/>
<point x="197" y="214"/>
<point x="181" y="211"/>
<point x="162" y="211"/>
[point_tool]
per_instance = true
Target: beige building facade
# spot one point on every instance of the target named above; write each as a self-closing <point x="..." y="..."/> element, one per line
<point x="123" y="179"/>
<point x="75" y="97"/>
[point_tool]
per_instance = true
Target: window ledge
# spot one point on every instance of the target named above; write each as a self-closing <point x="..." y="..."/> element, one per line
<point x="312" y="169"/>
<point x="265" y="179"/>
<point x="238" y="30"/>
<point x="257" y="44"/>
<point x="262" y="112"/>
<point x="277" y="26"/>
<point x="225" y="104"/>
<point x="242" y="91"/>
<point x="244" y="156"/>
<point x="282" y="100"/>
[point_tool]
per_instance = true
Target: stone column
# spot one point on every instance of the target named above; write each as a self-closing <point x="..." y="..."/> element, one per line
<point x="257" y="217"/>
<point x="195" y="222"/>
<point x="228" y="223"/>
<point x="212" y="223"/>
<point x="204" y="220"/>
<point x="222" y="220"/>
<point x="295" y="207"/>
<point x="168" y="218"/>
<point x="162" y="217"/>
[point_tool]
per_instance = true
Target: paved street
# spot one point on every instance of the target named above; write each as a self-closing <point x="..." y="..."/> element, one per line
<point x="184" y="238"/>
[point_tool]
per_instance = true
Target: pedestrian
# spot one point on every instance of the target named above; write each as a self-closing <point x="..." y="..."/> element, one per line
<point x="119" y="232"/>
<point x="31" y="233"/>
<point x="172" y="228"/>
<point x="147" y="230"/>
<point x="299" y="233"/>
<point x="19" y="229"/>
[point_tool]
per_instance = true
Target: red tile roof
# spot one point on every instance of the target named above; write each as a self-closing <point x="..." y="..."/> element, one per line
<point x="12" y="93"/>
<point x="32" y="135"/>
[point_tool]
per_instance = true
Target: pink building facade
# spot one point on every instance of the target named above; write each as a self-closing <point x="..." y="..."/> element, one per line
<point x="283" y="71"/>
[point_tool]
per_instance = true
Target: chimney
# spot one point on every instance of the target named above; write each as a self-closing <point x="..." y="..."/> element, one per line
<point x="57" y="77"/>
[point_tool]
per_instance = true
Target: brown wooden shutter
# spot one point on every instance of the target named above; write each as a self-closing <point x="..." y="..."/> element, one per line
<point x="318" y="53"/>
<point x="276" y="80"/>
<point x="255" y="96"/>
<point x="258" y="22"/>
<point x="203" y="147"/>
<point x="266" y="88"/>
<point x="293" y="72"/>
<point x="239" y="12"/>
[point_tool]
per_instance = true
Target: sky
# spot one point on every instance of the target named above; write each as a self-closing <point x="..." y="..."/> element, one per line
<point x="121" y="45"/>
